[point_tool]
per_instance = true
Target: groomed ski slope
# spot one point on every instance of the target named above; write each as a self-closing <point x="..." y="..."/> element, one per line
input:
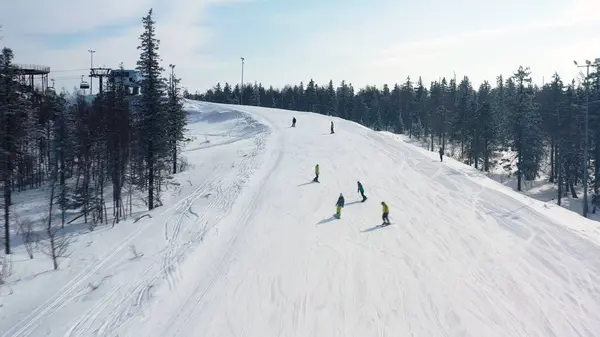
<point x="462" y="258"/>
<point x="246" y="245"/>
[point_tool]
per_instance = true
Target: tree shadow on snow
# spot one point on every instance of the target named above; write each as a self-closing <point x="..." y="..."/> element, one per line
<point x="324" y="221"/>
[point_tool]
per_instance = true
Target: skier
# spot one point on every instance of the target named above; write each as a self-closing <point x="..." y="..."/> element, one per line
<point x="386" y="211"/>
<point x="361" y="190"/>
<point x="441" y="154"/>
<point x="294" y="122"/>
<point x="332" y="127"/>
<point x="316" y="174"/>
<point x="339" y="205"/>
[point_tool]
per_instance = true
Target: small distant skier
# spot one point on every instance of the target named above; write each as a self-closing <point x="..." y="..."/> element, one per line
<point x="332" y="127"/>
<point x="361" y="190"/>
<point x="386" y="212"/>
<point x="339" y="205"/>
<point x="441" y="154"/>
<point x="316" y="174"/>
<point x="294" y="122"/>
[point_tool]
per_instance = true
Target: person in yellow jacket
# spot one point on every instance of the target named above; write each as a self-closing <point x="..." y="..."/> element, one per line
<point x="339" y="205"/>
<point x="386" y="212"/>
<point x="316" y="174"/>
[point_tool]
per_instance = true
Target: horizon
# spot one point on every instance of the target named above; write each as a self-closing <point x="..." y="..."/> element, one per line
<point x="353" y="41"/>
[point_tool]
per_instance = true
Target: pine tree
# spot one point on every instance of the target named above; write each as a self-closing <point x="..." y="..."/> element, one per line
<point x="487" y="125"/>
<point x="526" y="123"/>
<point x="311" y="96"/>
<point x="177" y="119"/>
<point x="331" y="100"/>
<point x="8" y="135"/>
<point x="151" y="124"/>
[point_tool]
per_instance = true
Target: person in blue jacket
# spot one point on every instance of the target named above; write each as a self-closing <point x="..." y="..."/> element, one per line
<point x="361" y="190"/>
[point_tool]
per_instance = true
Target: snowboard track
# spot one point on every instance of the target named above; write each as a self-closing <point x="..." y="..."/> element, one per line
<point x="192" y="303"/>
<point x="128" y="300"/>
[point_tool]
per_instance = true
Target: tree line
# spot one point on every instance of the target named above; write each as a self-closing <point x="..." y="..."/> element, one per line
<point x="542" y="125"/>
<point x="82" y="149"/>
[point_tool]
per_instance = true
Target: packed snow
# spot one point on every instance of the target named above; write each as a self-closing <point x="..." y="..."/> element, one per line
<point x="247" y="245"/>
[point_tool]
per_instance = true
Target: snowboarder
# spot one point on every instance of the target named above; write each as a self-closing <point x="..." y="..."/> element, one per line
<point x="332" y="127"/>
<point x="339" y="205"/>
<point x="316" y="180"/>
<point x="294" y="122"/>
<point x="386" y="212"/>
<point x="441" y="154"/>
<point x="361" y="190"/>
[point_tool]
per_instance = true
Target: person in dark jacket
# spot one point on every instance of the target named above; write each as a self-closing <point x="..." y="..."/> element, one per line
<point x="441" y="154"/>
<point x="361" y="190"/>
<point x="332" y="127"/>
<point x="294" y="122"/>
<point x="339" y="205"/>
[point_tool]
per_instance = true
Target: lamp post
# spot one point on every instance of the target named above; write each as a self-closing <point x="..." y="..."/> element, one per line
<point x="172" y="79"/>
<point x="242" y="83"/>
<point x="91" y="66"/>
<point x="587" y="65"/>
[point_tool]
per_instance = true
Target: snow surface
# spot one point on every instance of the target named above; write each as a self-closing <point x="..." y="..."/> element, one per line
<point x="247" y="246"/>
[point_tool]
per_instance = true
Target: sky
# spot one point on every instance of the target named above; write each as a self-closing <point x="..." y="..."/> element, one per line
<point x="287" y="41"/>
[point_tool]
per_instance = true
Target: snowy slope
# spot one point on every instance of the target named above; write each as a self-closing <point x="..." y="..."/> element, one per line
<point x="104" y="284"/>
<point x="465" y="256"/>
<point x="462" y="258"/>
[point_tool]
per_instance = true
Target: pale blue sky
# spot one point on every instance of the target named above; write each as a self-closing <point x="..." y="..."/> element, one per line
<point x="288" y="41"/>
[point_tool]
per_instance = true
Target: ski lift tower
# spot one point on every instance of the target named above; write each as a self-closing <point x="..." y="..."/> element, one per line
<point x="100" y="73"/>
<point x="28" y="73"/>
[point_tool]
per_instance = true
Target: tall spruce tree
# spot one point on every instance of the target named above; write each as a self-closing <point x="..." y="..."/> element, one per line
<point x="526" y="128"/>
<point x="9" y="128"/>
<point x="177" y="119"/>
<point x="153" y="140"/>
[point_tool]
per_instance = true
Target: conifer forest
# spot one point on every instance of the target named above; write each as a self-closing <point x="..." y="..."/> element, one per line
<point x="76" y="148"/>
<point x="544" y="126"/>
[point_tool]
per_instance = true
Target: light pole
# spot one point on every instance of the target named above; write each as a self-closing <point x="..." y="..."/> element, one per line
<point x="91" y="66"/>
<point x="587" y="65"/>
<point x="172" y="66"/>
<point x="242" y="83"/>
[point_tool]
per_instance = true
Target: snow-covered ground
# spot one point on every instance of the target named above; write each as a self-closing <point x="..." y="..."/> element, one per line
<point x="247" y="246"/>
<point x="504" y="171"/>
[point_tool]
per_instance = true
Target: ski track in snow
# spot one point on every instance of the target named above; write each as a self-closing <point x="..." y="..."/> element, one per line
<point x="124" y="303"/>
<point x="459" y="260"/>
<point x="126" y="300"/>
<point x="254" y="251"/>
